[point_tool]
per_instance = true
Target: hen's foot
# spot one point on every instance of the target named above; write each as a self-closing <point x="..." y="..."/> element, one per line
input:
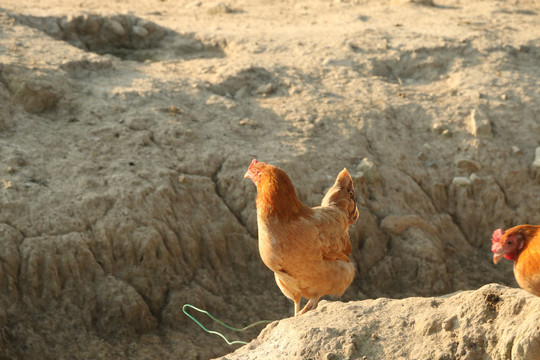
<point x="311" y="305"/>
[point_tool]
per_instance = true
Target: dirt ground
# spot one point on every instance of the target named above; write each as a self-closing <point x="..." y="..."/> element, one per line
<point x="493" y="322"/>
<point x="126" y="128"/>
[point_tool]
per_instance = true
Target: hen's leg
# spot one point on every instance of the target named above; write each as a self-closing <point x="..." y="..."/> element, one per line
<point x="311" y="305"/>
<point x="296" y="307"/>
<point x="288" y="292"/>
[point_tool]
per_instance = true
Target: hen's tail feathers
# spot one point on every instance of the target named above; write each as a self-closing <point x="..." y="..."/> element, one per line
<point x="342" y="195"/>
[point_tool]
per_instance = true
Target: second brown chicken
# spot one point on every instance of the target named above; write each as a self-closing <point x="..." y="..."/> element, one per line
<point x="520" y="244"/>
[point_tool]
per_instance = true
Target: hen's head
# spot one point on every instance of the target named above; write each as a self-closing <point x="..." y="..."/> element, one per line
<point x="270" y="178"/>
<point x="276" y="196"/>
<point x="506" y="244"/>
<point x="254" y="171"/>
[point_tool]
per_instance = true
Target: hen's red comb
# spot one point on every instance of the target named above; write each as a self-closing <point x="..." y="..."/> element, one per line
<point x="495" y="240"/>
<point x="253" y="162"/>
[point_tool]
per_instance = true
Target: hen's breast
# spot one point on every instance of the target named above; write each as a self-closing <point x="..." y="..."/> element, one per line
<point x="527" y="270"/>
<point x="271" y="247"/>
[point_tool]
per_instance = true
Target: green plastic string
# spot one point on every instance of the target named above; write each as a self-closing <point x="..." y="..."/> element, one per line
<point x="221" y="323"/>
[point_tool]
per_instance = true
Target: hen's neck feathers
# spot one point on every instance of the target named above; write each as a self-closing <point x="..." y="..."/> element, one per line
<point x="276" y="196"/>
<point x="531" y="231"/>
<point x="528" y="232"/>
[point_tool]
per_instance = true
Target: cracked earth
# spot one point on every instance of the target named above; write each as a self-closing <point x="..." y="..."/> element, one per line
<point x="125" y="134"/>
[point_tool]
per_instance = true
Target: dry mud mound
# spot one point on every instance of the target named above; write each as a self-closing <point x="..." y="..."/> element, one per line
<point x="125" y="36"/>
<point x="492" y="322"/>
<point x="125" y="133"/>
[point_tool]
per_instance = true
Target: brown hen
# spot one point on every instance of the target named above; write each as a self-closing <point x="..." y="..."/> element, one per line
<point x="307" y="248"/>
<point x="521" y="244"/>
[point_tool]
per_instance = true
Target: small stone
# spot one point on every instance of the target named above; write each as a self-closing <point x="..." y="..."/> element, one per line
<point x="439" y="129"/>
<point x="504" y="96"/>
<point x="461" y="181"/>
<point x="446" y="133"/>
<point x="249" y="122"/>
<point x="516" y="150"/>
<point x="368" y="169"/>
<point x="181" y="178"/>
<point x="536" y="162"/>
<point x="265" y="89"/>
<point x="139" y="30"/>
<point x="10" y="170"/>
<point x="475" y="179"/>
<point x="479" y="124"/>
<point x="116" y="27"/>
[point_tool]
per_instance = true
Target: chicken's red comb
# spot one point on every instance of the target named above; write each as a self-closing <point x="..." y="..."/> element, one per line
<point x="253" y="162"/>
<point x="495" y="240"/>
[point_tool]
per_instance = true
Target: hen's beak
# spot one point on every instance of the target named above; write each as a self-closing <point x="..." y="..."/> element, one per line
<point x="498" y="256"/>
<point x="247" y="175"/>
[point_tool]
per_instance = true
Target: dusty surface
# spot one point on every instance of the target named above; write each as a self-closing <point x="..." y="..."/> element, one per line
<point x="493" y="322"/>
<point x="125" y="130"/>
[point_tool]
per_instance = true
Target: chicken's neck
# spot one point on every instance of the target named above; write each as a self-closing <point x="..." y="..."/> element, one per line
<point x="280" y="203"/>
<point x="529" y="233"/>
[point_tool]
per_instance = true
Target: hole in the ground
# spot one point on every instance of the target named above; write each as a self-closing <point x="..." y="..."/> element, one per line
<point x="125" y="36"/>
<point x="424" y="65"/>
<point x="253" y="81"/>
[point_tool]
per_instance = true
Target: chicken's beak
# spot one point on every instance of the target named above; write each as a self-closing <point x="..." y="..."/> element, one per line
<point x="498" y="256"/>
<point x="247" y="175"/>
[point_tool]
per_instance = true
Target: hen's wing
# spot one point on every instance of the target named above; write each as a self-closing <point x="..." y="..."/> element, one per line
<point x="330" y="227"/>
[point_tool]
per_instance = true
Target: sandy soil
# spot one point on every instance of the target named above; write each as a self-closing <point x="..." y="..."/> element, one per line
<point x="493" y="322"/>
<point x="126" y="127"/>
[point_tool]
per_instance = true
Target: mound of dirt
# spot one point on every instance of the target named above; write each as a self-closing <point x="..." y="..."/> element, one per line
<point x="493" y="322"/>
<point x="125" y="130"/>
